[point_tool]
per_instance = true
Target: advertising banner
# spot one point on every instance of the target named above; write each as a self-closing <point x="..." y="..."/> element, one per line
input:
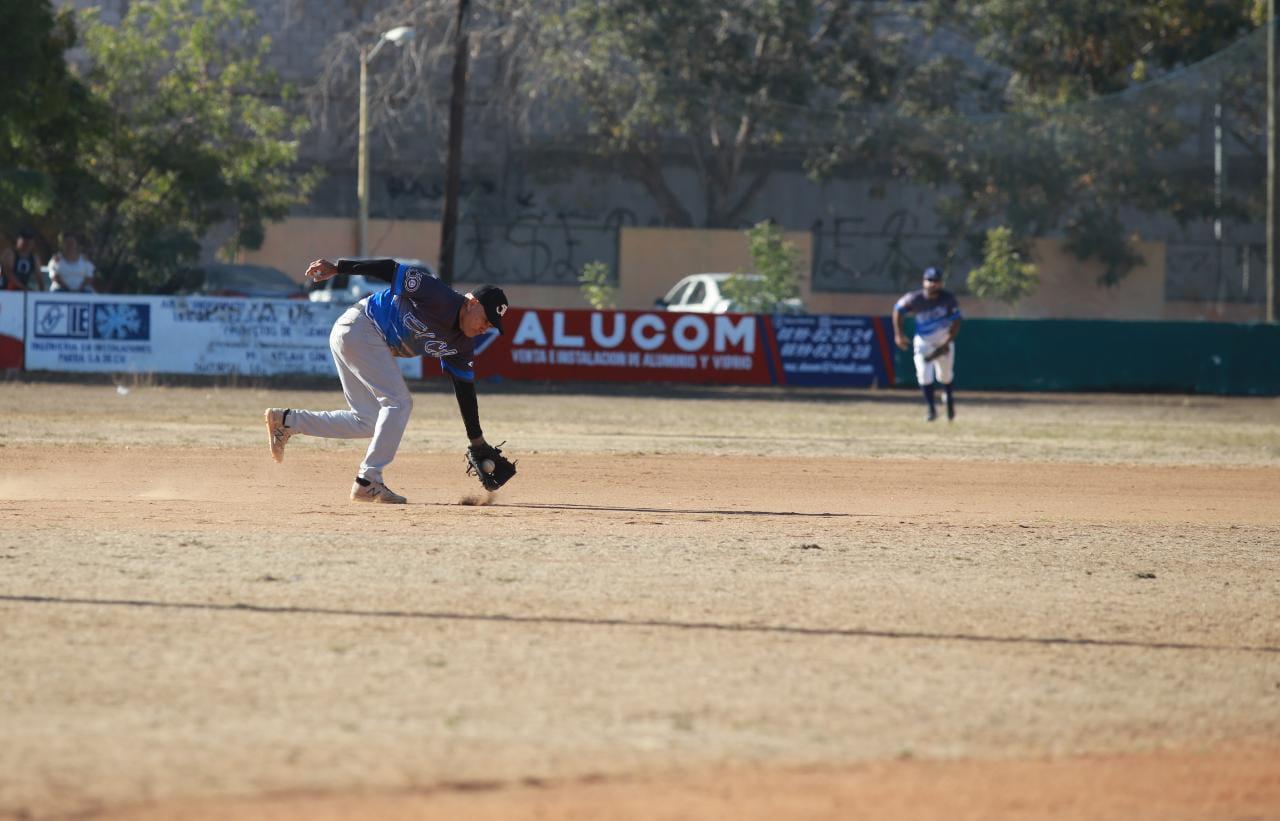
<point x="12" y="323"/>
<point x="830" y="351"/>
<point x="182" y="335"/>
<point x="662" y="346"/>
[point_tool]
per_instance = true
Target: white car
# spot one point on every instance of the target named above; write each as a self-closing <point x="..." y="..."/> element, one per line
<point x="348" y="288"/>
<point x="703" y="294"/>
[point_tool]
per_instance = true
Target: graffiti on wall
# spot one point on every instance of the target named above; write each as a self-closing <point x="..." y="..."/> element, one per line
<point x="1215" y="272"/>
<point x="414" y="188"/>
<point x="538" y="247"/>
<point x="850" y="254"/>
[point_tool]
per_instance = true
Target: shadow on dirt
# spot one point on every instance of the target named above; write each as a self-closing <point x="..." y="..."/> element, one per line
<point x="726" y="627"/>
<point x="673" y="510"/>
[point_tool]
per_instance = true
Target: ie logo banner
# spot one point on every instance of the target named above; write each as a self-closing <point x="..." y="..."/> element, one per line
<point x="126" y="322"/>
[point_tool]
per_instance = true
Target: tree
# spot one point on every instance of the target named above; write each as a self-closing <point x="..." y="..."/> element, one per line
<point x="1003" y="274"/>
<point x="196" y="133"/>
<point x="44" y="110"/>
<point x="595" y="286"/>
<point x="410" y="90"/>
<point x="1060" y="132"/>
<point x="719" y="81"/>
<point x="776" y="261"/>
<point x="1062" y="51"/>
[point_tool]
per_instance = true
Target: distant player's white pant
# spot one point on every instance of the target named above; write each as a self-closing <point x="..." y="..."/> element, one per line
<point x="375" y="390"/>
<point x="940" y="369"/>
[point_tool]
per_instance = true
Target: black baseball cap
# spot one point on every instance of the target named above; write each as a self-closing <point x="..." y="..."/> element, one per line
<point x="933" y="274"/>
<point x="26" y="233"/>
<point x="494" y="302"/>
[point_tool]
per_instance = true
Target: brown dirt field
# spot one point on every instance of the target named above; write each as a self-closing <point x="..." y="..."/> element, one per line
<point x="733" y="604"/>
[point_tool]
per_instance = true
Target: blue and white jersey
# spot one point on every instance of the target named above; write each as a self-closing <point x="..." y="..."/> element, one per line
<point x="418" y="316"/>
<point x="932" y="315"/>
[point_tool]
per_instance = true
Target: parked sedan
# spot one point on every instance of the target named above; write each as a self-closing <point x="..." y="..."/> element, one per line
<point x="243" y="280"/>
<point x="704" y="294"/>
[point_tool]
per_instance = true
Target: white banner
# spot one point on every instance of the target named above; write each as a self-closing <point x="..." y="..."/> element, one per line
<point x="12" y="319"/>
<point x="186" y="335"/>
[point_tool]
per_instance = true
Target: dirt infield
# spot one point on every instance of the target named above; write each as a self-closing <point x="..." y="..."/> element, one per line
<point x="708" y="604"/>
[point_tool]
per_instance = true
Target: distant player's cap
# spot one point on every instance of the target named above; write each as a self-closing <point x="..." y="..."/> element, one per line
<point x="26" y="233"/>
<point x="933" y="274"/>
<point x="494" y="302"/>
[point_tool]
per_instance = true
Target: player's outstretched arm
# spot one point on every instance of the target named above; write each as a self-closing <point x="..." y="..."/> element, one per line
<point x="383" y="269"/>
<point x="485" y="461"/>
<point x="320" y="270"/>
<point x="469" y="407"/>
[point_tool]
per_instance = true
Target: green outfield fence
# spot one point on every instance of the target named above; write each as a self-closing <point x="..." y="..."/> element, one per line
<point x="1100" y="355"/>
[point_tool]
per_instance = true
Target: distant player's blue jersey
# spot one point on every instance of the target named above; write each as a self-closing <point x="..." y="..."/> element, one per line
<point x="932" y="315"/>
<point x="418" y="316"/>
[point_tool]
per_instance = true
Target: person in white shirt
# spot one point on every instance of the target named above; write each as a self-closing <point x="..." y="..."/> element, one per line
<point x="69" y="270"/>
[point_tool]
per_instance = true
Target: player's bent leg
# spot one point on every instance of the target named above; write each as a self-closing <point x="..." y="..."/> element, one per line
<point x="389" y="402"/>
<point x="369" y="490"/>
<point x="349" y="340"/>
<point x="950" y="397"/>
<point x="945" y="366"/>
<point x="277" y="433"/>
<point x="393" y="418"/>
<point x="924" y="372"/>
<point x="355" y="340"/>
<point x="928" y="390"/>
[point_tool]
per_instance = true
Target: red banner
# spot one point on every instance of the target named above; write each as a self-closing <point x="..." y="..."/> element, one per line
<point x="12" y="328"/>
<point x="629" y="346"/>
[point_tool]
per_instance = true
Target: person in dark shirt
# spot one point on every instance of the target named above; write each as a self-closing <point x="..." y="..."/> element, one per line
<point x="937" y="314"/>
<point x="21" y="264"/>
<point x="9" y="282"/>
<point x="417" y="316"/>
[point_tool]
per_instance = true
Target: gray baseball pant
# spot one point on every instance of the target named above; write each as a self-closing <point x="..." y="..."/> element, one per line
<point x="374" y="387"/>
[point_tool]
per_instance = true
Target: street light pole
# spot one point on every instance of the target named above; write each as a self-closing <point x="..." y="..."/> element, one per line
<point x="396" y="36"/>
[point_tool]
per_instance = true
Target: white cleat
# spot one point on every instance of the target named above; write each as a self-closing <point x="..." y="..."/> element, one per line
<point x="277" y="433"/>
<point x="375" y="492"/>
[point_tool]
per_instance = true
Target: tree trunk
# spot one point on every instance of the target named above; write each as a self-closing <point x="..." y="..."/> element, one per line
<point x="735" y="215"/>
<point x="647" y="170"/>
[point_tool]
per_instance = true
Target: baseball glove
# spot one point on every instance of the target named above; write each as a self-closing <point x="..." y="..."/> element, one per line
<point x="937" y="352"/>
<point x="488" y="465"/>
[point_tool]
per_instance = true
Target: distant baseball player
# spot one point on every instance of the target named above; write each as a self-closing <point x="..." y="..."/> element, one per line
<point x="417" y="316"/>
<point x="937" y="315"/>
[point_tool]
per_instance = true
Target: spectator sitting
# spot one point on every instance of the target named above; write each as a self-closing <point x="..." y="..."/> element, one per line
<point x="8" y="282"/>
<point x="69" y="270"/>
<point x="22" y="264"/>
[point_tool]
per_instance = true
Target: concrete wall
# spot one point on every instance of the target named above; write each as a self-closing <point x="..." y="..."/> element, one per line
<point x="654" y="259"/>
<point x="651" y="260"/>
<point x="291" y="245"/>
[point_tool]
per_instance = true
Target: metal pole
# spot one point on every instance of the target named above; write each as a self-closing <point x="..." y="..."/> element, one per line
<point x="1273" y="214"/>
<point x="1217" y="199"/>
<point x="362" y="170"/>
<point x="1217" y="174"/>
